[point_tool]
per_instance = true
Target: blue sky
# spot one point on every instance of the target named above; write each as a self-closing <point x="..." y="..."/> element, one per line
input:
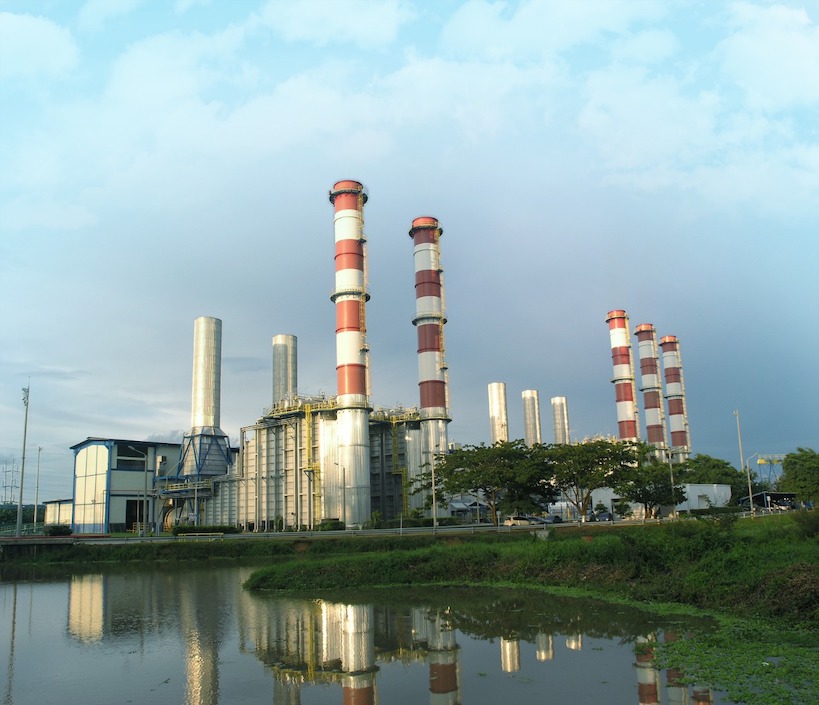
<point x="161" y="161"/>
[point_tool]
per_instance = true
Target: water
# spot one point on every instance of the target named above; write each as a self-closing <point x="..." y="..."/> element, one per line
<point x="193" y="635"/>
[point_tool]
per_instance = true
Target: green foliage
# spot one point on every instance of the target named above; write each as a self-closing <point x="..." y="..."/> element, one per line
<point x="650" y="485"/>
<point x="800" y="474"/>
<point x="703" y="469"/>
<point x="807" y="523"/>
<point x="57" y="530"/>
<point x="215" y="529"/>
<point x="330" y="525"/>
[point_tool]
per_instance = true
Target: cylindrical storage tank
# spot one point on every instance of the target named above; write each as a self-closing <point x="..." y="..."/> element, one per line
<point x="285" y="367"/>
<point x="207" y="373"/>
<point x="623" y="378"/>
<point x="531" y="417"/>
<point x="350" y="297"/>
<point x="651" y="387"/>
<point x="498" y="420"/>
<point x="560" y="419"/>
<point x="675" y="396"/>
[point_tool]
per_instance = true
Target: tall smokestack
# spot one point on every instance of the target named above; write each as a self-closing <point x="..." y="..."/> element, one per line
<point x="651" y="387"/>
<point x="675" y="394"/>
<point x="623" y="378"/>
<point x="285" y="367"/>
<point x="205" y="450"/>
<point x="560" y="419"/>
<point x="350" y="297"/>
<point x="429" y="320"/>
<point x="531" y="417"/>
<point x="498" y="421"/>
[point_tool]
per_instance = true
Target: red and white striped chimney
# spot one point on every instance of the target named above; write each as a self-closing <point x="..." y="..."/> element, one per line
<point x="350" y="297"/>
<point x="675" y="395"/>
<point x="429" y="320"/>
<point x="623" y="378"/>
<point x="651" y="387"/>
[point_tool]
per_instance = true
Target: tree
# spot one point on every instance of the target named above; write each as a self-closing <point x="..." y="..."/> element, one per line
<point x="650" y="485"/>
<point x="505" y="475"/>
<point x="579" y="468"/>
<point x="703" y="469"/>
<point x="800" y="474"/>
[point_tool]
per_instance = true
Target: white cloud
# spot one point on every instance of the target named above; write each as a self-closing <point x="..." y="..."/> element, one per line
<point x="535" y="28"/>
<point x="365" y="23"/>
<point x="773" y="55"/>
<point x="95" y="14"/>
<point x="34" y="46"/>
<point x="648" y="47"/>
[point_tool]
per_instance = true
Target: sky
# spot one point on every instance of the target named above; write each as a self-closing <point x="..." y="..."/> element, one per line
<point x="166" y="160"/>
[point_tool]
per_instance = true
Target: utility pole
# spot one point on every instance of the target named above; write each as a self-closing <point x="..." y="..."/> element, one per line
<point x="19" y="531"/>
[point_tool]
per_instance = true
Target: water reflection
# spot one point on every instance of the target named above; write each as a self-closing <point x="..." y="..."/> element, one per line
<point x="195" y="636"/>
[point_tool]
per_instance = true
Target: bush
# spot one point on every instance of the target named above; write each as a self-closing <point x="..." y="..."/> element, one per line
<point x="807" y="523"/>
<point x="217" y="529"/>
<point x="57" y="530"/>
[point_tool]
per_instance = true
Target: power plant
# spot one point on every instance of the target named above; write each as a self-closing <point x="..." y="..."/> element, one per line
<point x="314" y="459"/>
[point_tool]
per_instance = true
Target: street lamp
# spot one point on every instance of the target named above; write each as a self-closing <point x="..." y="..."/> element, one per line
<point x="19" y="530"/>
<point x="145" y="503"/>
<point x="750" y="490"/>
<point x="742" y="464"/>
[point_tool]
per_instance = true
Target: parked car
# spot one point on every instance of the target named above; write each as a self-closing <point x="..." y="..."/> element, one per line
<point x="605" y="516"/>
<point x="517" y="520"/>
<point x="549" y="519"/>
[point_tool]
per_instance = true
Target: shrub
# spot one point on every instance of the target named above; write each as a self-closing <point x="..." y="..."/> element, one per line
<point x="57" y="530"/>
<point x="216" y="529"/>
<point x="807" y="523"/>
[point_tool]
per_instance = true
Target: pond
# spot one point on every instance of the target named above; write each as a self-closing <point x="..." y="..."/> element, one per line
<point x="193" y="635"/>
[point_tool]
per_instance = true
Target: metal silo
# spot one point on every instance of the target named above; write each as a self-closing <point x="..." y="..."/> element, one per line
<point x="285" y="367"/>
<point x="560" y="419"/>
<point x="498" y="420"/>
<point x="531" y="417"/>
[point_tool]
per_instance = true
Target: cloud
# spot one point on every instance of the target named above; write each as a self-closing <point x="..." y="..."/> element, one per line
<point x="95" y="14"/>
<point x="648" y="47"/>
<point x="534" y="28"/>
<point x="365" y="23"/>
<point x="34" y="47"/>
<point x="773" y="56"/>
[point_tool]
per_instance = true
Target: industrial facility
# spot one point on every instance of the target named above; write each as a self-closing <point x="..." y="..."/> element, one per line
<point x="308" y="459"/>
<point x="314" y="459"/>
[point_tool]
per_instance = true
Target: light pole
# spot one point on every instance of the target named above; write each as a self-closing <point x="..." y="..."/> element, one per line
<point x="742" y="464"/>
<point x="434" y="503"/>
<point x="145" y="503"/>
<point x="343" y="511"/>
<point x="37" y="487"/>
<point x="671" y="472"/>
<point x="19" y="531"/>
<point x="750" y="490"/>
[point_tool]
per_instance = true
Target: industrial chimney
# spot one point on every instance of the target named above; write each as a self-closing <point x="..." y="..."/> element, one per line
<point x="531" y="417"/>
<point x="623" y="378"/>
<point x="498" y="421"/>
<point x="675" y="395"/>
<point x="560" y="419"/>
<point x="429" y="321"/>
<point x="651" y="387"/>
<point x="205" y="450"/>
<point x="350" y="297"/>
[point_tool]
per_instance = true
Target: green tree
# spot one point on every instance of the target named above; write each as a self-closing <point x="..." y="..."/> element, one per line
<point x="650" y="485"/>
<point x="703" y="469"/>
<point x="507" y="475"/>
<point x="800" y="474"/>
<point x="578" y="469"/>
